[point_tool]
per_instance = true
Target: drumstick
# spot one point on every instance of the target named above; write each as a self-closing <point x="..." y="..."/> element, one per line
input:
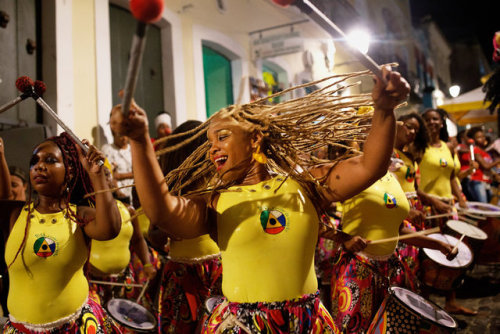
<point x="312" y="11"/>
<point x="116" y="283"/>
<point x="470" y="221"/>
<point x="406" y="236"/>
<point x="145" y="11"/>
<point x="456" y="246"/>
<point x="142" y="291"/>
<point x="440" y="215"/>
<point x="474" y="216"/>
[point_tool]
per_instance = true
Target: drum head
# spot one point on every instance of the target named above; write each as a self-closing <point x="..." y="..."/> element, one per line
<point x="463" y="258"/>
<point x="423" y="307"/>
<point x="469" y="230"/>
<point x="131" y="315"/>
<point x="482" y="209"/>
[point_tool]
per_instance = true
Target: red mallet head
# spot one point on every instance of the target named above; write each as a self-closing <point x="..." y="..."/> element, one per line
<point x="40" y="87"/>
<point x="284" y="3"/>
<point x="24" y="83"/>
<point x="146" y="11"/>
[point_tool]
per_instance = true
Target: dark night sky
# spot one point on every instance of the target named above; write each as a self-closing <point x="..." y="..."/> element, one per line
<point x="462" y="20"/>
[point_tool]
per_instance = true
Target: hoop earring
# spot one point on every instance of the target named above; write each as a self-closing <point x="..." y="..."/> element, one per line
<point x="259" y="156"/>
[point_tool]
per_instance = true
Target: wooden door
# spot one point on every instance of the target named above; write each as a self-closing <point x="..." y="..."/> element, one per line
<point x="18" y="57"/>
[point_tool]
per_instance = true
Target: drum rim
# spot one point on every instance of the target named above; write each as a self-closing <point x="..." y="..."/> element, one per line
<point x="142" y="330"/>
<point x="478" y="211"/>
<point x="468" y="236"/>
<point x="444" y="265"/>
<point x="419" y="314"/>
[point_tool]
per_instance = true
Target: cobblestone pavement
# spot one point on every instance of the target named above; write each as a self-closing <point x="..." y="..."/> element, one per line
<point x="481" y="292"/>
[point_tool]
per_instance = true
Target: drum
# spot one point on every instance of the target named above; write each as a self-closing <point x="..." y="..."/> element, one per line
<point x="441" y="273"/>
<point x="131" y="315"/>
<point x="480" y="209"/>
<point x="490" y="251"/>
<point x="403" y="311"/>
<point x="208" y="307"/>
<point x="474" y="236"/>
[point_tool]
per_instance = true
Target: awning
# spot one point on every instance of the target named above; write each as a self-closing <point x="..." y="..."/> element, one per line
<point x="469" y="108"/>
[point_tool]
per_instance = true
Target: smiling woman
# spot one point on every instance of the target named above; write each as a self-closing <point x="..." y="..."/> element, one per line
<point x="264" y="194"/>
<point x="48" y="241"/>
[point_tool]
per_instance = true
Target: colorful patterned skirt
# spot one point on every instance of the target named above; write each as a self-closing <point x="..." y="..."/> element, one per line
<point x="91" y="319"/>
<point x="184" y="289"/>
<point x="324" y="258"/>
<point x="359" y="285"/>
<point x="304" y="315"/>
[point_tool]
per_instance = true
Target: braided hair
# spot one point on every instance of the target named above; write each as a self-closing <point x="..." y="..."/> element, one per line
<point x="76" y="182"/>
<point x="421" y="137"/>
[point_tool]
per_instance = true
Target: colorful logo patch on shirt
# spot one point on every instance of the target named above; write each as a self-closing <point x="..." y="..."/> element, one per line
<point x="443" y="162"/>
<point x="410" y="176"/>
<point x="272" y="221"/>
<point x="390" y="201"/>
<point x="44" y="247"/>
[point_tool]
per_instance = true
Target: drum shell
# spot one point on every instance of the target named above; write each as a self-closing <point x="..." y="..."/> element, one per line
<point x="438" y="275"/>
<point x="393" y="316"/>
<point x="490" y="250"/>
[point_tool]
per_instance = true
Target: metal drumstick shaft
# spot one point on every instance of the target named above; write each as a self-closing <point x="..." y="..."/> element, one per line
<point x="59" y="121"/>
<point x="136" y="52"/>
<point x="333" y="30"/>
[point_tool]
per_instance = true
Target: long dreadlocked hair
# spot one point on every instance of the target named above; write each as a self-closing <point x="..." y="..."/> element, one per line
<point x="291" y="130"/>
<point x="76" y="183"/>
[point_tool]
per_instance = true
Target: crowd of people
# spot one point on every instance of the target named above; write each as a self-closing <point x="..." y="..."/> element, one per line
<point x="265" y="218"/>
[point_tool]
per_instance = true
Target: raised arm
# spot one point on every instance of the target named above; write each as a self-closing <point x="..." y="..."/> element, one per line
<point x="353" y="175"/>
<point x="104" y="221"/>
<point x="179" y="216"/>
<point x="5" y="187"/>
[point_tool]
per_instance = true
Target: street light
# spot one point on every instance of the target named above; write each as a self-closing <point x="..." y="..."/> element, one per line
<point x="454" y="90"/>
<point x="359" y="39"/>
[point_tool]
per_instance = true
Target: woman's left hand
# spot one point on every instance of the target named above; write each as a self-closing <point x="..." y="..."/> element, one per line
<point x="90" y="161"/>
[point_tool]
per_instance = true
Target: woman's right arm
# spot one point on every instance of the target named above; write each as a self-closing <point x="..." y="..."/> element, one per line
<point x="180" y="216"/>
<point x="5" y="186"/>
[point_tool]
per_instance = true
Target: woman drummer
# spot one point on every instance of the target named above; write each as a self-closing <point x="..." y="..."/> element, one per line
<point x="438" y="181"/>
<point x="110" y="260"/>
<point x="360" y="281"/>
<point x="48" y="242"/>
<point x="192" y="273"/>
<point x="266" y="225"/>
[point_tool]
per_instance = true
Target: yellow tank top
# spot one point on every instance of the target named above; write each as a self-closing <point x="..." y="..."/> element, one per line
<point x="143" y="222"/>
<point x="405" y="174"/>
<point x="193" y="250"/>
<point x="267" y="238"/>
<point x="113" y="256"/>
<point x="376" y="213"/>
<point x="435" y="171"/>
<point x="55" y="253"/>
